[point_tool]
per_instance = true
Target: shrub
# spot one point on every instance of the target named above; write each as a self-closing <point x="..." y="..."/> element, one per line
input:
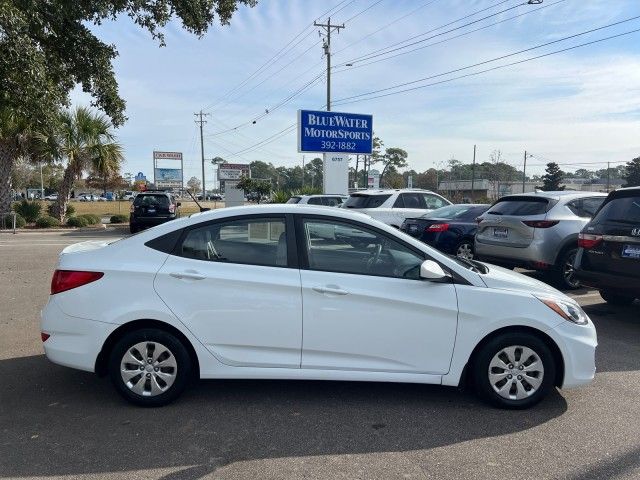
<point x="91" y="218"/>
<point x="77" y="222"/>
<point x="69" y="212"/>
<point x="29" y="210"/>
<point x="119" y="218"/>
<point x="47" y="222"/>
<point x="280" y="196"/>
<point x="7" y="221"/>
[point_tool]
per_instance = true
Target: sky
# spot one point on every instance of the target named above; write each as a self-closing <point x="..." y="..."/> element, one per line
<point x="580" y="108"/>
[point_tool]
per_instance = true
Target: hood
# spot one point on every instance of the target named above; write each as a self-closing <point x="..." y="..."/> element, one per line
<point x="505" y="279"/>
<point x="85" y="246"/>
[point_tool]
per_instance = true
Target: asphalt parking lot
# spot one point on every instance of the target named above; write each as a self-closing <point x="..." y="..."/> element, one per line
<point x="61" y="423"/>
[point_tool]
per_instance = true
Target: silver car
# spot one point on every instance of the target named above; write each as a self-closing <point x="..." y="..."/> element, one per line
<point x="537" y="231"/>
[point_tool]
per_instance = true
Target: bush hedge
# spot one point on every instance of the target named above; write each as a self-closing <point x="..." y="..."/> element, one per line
<point x="47" y="222"/>
<point x="30" y="211"/>
<point x="7" y="221"/>
<point x="91" y="218"/>
<point x="119" y="218"/>
<point x="77" y="222"/>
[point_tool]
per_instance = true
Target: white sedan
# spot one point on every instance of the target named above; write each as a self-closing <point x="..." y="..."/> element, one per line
<point x="251" y="292"/>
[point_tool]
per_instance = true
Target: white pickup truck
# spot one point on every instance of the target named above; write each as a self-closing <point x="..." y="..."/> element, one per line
<point x="394" y="206"/>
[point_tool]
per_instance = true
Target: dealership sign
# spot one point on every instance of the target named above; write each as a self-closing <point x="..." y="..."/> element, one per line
<point x="334" y="132"/>
<point x="167" y="173"/>
<point x="233" y="171"/>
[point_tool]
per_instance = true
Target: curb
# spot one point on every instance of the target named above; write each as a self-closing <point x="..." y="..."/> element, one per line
<point x="104" y="227"/>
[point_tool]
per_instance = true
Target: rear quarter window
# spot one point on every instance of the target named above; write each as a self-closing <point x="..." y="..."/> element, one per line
<point x="624" y="209"/>
<point x="365" y="201"/>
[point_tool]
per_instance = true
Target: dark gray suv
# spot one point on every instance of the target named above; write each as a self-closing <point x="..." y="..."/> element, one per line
<point x="537" y="231"/>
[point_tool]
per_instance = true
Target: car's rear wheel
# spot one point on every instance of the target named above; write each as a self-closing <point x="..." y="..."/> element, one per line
<point x="150" y="367"/>
<point x="465" y="250"/>
<point x="564" y="271"/>
<point x="514" y="370"/>
<point x="615" y="298"/>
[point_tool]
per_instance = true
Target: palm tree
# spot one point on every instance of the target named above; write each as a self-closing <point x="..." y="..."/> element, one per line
<point x="85" y="141"/>
<point x="16" y="140"/>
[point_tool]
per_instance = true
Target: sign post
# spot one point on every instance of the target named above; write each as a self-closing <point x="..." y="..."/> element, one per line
<point x="337" y="135"/>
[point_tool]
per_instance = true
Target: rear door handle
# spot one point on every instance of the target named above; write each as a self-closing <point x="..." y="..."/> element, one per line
<point x="330" y="290"/>
<point x="187" y="275"/>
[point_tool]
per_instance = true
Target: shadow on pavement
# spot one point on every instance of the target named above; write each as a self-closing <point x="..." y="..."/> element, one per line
<point x="58" y="421"/>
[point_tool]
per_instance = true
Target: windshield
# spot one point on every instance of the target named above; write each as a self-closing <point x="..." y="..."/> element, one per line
<point x="452" y="212"/>
<point x="520" y="206"/>
<point x="293" y="200"/>
<point x="365" y="201"/>
<point x="147" y="200"/>
<point x="621" y="210"/>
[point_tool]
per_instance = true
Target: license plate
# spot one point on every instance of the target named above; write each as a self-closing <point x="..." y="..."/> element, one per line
<point x="151" y="210"/>
<point x="631" y="251"/>
<point x="500" y="232"/>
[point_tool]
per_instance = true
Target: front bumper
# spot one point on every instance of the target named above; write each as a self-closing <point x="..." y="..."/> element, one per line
<point x="577" y="344"/>
<point x="73" y="342"/>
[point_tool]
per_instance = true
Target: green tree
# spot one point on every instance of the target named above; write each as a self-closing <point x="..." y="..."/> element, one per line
<point x="552" y="179"/>
<point x="632" y="172"/>
<point x="83" y="141"/>
<point x="47" y="48"/>
<point x="255" y="187"/>
<point x="393" y="159"/>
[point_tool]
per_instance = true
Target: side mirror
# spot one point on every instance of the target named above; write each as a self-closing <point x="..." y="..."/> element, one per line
<point x="430" y="270"/>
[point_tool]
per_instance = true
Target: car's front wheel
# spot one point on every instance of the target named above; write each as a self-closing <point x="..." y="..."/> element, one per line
<point x="150" y="367"/>
<point x="514" y="370"/>
<point x="465" y="250"/>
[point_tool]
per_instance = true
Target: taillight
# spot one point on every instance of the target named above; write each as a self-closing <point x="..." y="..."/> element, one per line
<point x="540" y="223"/>
<point x="132" y="208"/>
<point x="64" y="280"/>
<point x="172" y="208"/>
<point x="44" y="336"/>
<point x="589" y="241"/>
<point x="438" y="227"/>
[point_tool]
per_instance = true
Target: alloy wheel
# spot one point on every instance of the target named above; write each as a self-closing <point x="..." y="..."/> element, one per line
<point x="568" y="272"/>
<point x="516" y="372"/>
<point x="465" y="250"/>
<point x="148" y="368"/>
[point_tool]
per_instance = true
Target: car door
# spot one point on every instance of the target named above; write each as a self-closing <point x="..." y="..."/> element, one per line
<point x="408" y="205"/>
<point x="235" y="284"/>
<point x="365" y="307"/>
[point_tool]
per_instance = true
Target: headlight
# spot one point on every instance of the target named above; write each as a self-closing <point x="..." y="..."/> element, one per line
<point x="567" y="310"/>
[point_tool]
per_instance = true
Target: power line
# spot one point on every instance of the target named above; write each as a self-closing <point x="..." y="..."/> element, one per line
<point x="439" y="42"/>
<point x="357" y="98"/>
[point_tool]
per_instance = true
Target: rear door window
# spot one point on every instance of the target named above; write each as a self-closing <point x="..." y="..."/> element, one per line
<point x="585" y="207"/>
<point x="521" y="207"/>
<point x="315" y="201"/>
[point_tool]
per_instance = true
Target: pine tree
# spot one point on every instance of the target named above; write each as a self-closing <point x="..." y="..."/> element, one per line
<point x="551" y="180"/>
<point x="632" y="174"/>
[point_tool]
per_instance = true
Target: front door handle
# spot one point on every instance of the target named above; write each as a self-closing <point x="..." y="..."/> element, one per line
<point x="331" y="290"/>
<point x="188" y="275"/>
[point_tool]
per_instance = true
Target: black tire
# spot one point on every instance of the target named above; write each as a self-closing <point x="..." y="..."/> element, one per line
<point x="615" y="298"/>
<point x="133" y="228"/>
<point x="562" y="274"/>
<point x="182" y="373"/>
<point x="481" y="362"/>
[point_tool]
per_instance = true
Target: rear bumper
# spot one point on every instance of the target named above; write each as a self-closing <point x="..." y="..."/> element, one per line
<point x="577" y="344"/>
<point x="538" y="255"/>
<point x="150" y="220"/>
<point x="607" y="281"/>
<point x="73" y="342"/>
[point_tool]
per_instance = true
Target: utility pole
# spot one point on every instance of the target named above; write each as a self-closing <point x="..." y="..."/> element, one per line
<point x="302" y="171"/>
<point x="608" y="176"/>
<point x="524" y="171"/>
<point x="202" y="122"/>
<point x="327" y="51"/>
<point x="473" y="176"/>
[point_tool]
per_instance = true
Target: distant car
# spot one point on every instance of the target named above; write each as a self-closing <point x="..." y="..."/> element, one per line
<point x="152" y="208"/>
<point x="609" y="254"/>
<point x="129" y="195"/>
<point x="450" y="229"/>
<point x="87" y="197"/>
<point x="538" y="231"/>
<point x="326" y="200"/>
<point x="210" y="197"/>
<point x="53" y="197"/>
<point x="393" y="206"/>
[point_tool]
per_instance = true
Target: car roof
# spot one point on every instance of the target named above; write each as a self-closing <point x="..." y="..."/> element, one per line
<point x="385" y="191"/>
<point x="315" y="195"/>
<point x="557" y="194"/>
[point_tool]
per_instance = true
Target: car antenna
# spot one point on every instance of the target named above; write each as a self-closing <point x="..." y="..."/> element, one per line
<point x="202" y="209"/>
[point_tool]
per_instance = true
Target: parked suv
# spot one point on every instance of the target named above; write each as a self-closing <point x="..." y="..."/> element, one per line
<point x="609" y="254"/>
<point x="152" y="208"/>
<point x="326" y="200"/>
<point x="394" y="206"/>
<point x="538" y="231"/>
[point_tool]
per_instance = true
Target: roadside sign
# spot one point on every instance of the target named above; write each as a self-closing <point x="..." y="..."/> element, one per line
<point x="229" y="174"/>
<point x="167" y="175"/>
<point x="334" y="132"/>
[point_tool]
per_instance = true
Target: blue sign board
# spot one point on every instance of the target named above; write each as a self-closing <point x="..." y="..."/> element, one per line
<point x="334" y="132"/>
